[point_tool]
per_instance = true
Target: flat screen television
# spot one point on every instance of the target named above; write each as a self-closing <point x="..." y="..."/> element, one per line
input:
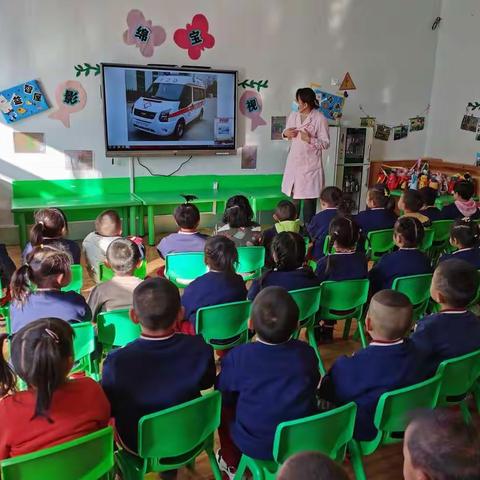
<point x="150" y="110"/>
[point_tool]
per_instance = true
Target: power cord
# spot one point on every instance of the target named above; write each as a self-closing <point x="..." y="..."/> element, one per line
<point x="160" y="174"/>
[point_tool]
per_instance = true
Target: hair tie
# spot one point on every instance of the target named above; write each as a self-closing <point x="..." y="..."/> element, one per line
<point x="53" y="335"/>
<point x="40" y="222"/>
<point x="385" y="192"/>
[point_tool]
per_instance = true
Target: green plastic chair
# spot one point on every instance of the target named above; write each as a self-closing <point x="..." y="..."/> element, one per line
<point x="83" y="349"/>
<point x="106" y="273"/>
<point x="174" y="437"/>
<point x="329" y="433"/>
<point x="76" y="283"/>
<point x="251" y="260"/>
<point x="86" y="458"/>
<point x="427" y="241"/>
<point x="224" y="326"/>
<point x="116" y="329"/>
<point x="441" y="238"/>
<point x="183" y="268"/>
<point x="417" y="289"/>
<point x="379" y="242"/>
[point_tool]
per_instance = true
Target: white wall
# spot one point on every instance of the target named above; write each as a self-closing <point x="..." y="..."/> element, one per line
<point x="387" y="46"/>
<point x="456" y="82"/>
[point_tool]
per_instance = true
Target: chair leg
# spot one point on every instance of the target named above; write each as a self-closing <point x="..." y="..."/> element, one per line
<point x="346" y="328"/>
<point x="151" y="225"/>
<point x="356" y="459"/>
<point x="467" y="416"/>
<point x="22" y="230"/>
<point x="313" y="343"/>
<point x="217" y="475"/>
<point x="476" y="395"/>
<point x="141" y="223"/>
<point x="133" y="220"/>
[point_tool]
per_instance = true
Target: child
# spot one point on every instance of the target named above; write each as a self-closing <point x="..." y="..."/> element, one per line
<point x="465" y="236"/>
<point x="238" y="224"/>
<point x="108" y="227"/>
<point x="429" y="195"/>
<point x="160" y="369"/>
<point x="407" y="260"/>
<point x="454" y="331"/>
<point x="463" y="205"/>
<point x="411" y="203"/>
<point x="266" y="382"/>
<point x="288" y="253"/>
<point x="388" y="363"/>
<point x="219" y="285"/>
<point x="48" y="269"/>
<point x="54" y="409"/>
<point x="123" y="257"/>
<point x="311" y="466"/>
<point x="188" y="238"/>
<point x="7" y="267"/>
<point x="50" y="228"/>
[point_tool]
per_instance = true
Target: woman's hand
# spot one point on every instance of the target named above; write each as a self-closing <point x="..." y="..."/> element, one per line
<point x="305" y="136"/>
<point x="290" y="133"/>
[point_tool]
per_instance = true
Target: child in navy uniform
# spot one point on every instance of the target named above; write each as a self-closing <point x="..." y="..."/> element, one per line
<point x="454" y="331"/>
<point x="411" y="203"/>
<point x="407" y="260"/>
<point x="465" y="236"/>
<point x="389" y="362"/>
<point x="463" y="205"/>
<point x="288" y="253"/>
<point x="429" y="195"/>
<point x="265" y="382"/>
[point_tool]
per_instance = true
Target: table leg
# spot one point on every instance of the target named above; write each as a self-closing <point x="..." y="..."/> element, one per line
<point x="141" y="221"/>
<point x="22" y="230"/>
<point x="151" y="225"/>
<point x="125" y="225"/>
<point x="133" y="220"/>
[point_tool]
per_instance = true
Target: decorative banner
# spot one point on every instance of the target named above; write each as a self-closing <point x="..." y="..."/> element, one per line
<point x="251" y="106"/>
<point x="71" y="97"/>
<point x="254" y="84"/>
<point x="368" y="121"/>
<point x="142" y="33"/>
<point x="86" y="68"/>
<point x="78" y="160"/>
<point x="469" y="123"/>
<point x="417" y="124"/>
<point x="383" y="132"/>
<point x="249" y="157"/>
<point x="22" y="101"/>
<point x="400" y="131"/>
<point x="278" y="126"/>
<point x="330" y="105"/>
<point x="28" y="142"/>
<point x="195" y="37"/>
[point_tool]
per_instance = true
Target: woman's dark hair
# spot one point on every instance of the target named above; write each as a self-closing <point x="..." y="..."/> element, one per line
<point x="221" y="254"/>
<point x="429" y="195"/>
<point x="238" y="212"/>
<point x="379" y="194"/>
<point x="465" y="232"/>
<point x="411" y="230"/>
<point x="39" y="354"/>
<point x="49" y="223"/>
<point x="334" y="197"/>
<point x="413" y="200"/>
<point x="343" y="231"/>
<point x="307" y="95"/>
<point x="41" y="264"/>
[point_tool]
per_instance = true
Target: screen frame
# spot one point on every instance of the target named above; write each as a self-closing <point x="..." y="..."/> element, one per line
<point x="156" y="151"/>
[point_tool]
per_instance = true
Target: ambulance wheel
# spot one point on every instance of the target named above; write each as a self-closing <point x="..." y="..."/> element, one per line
<point x="179" y="129"/>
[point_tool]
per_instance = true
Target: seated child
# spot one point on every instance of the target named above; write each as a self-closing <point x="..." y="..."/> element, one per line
<point x="464" y="205"/>
<point x="454" y="331"/>
<point x="161" y="368"/>
<point x="465" y="236"/>
<point x="429" y="195"/>
<point x="7" y="267"/>
<point x="48" y="269"/>
<point x="265" y="382"/>
<point x="288" y="253"/>
<point x="108" y="227"/>
<point x="219" y="285"/>
<point x="439" y="445"/>
<point x="123" y="257"/>
<point x="51" y="227"/>
<point x="188" y="238"/>
<point x="388" y="363"/>
<point x="54" y="409"/>
<point x="311" y="466"/>
<point x="411" y="203"/>
<point x="407" y="260"/>
<point x="238" y="224"/>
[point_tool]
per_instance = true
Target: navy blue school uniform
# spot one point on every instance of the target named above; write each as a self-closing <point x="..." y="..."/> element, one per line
<point x="451" y="212"/>
<point x="267" y="384"/>
<point x="375" y="219"/>
<point x="343" y="266"/>
<point x="433" y="213"/>
<point x="447" y="334"/>
<point x="470" y="255"/>
<point x="402" y="263"/>
<point x="63" y="243"/>
<point x="289" y="280"/>
<point x="213" y="288"/>
<point x="154" y="373"/>
<point x="7" y="266"/>
<point x="318" y="230"/>
<point x="367" y="374"/>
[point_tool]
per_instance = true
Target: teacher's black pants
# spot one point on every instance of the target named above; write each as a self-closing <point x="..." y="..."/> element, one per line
<point x="309" y="208"/>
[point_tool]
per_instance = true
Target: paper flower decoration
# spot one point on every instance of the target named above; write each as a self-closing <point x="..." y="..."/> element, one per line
<point x="251" y="106"/>
<point x="71" y="97"/>
<point x="195" y="37"/>
<point x="142" y="33"/>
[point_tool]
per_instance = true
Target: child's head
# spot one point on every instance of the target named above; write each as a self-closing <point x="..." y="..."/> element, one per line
<point x="49" y="223"/>
<point x="274" y="315"/>
<point x="221" y="254"/>
<point x="238" y="212"/>
<point x="156" y="305"/>
<point x="411" y="201"/>
<point x="463" y="190"/>
<point x="123" y="256"/>
<point x="464" y="233"/>
<point x="344" y="233"/>
<point x="187" y="216"/>
<point x="454" y="283"/>
<point x="311" y="466"/>
<point x="389" y="316"/>
<point x="42" y="356"/>
<point x="378" y="196"/>
<point x="285" y="210"/>
<point x="108" y="224"/>
<point x="288" y="251"/>
<point x="439" y="445"/>
<point x="333" y="197"/>
<point x="408" y="232"/>
<point x="45" y="267"/>
<point x="429" y="196"/>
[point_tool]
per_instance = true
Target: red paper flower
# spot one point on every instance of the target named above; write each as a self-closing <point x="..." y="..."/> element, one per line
<point x="195" y="37"/>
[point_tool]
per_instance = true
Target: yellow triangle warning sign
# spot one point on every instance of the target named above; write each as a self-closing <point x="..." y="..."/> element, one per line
<point x="347" y="83"/>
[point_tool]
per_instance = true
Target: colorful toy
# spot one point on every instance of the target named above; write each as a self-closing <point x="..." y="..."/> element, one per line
<point x="423" y="182"/>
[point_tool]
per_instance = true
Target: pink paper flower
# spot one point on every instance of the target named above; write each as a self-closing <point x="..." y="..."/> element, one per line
<point x="142" y="33"/>
<point x="195" y="37"/>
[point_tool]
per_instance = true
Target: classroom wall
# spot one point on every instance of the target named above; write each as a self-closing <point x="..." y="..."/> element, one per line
<point x="387" y="46"/>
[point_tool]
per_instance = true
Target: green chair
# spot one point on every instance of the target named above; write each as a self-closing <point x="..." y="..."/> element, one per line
<point x="116" y="329"/>
<point x="83" y="349"/>
<point x="106" y="273"/>
<point x="427" y="241"/>
<point x="76" y="283"/>
<point x="224" y="326"/>
<point x="86" y="458"/>
<point x="379" y="242"/>
<point x="417" y="289"/>
<point x="183" y="268"/>
<point x="174" y="437"/>
<point x="329" y="433"/>
<point x="441" y="238"/>
<point x="251" y="260"/>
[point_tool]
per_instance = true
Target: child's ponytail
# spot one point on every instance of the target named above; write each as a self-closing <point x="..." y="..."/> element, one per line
<point x="49" y="223"/>
<point x="7" y="377"/>
<point x="37" y="234"/>
<point x="20" y="285"/>
<point x="380" y="196"/>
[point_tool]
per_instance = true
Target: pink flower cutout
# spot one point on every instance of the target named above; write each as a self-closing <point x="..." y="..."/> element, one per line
<point x="142" y="33"/>
<point x="195" y="37"/>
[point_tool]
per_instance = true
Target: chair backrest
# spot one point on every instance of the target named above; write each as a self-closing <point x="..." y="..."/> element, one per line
<point x="427" y="241"/>
<point x="83" y="340"/>
<point x="76" y="283"/>
<point x="115" y="328"/>
<point x="307" y="300"/>
<point x="327" y="432"/>
<point x="106" y="273"/>
<point x="379" y="242"/>
<point x="416" y="288"/>
<point x="441" y="229"/>
<point x="250" y="259"/>
<point x="183" y="268"/>
<point x="345" y="297"/>
<point x="85" y="458"/>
